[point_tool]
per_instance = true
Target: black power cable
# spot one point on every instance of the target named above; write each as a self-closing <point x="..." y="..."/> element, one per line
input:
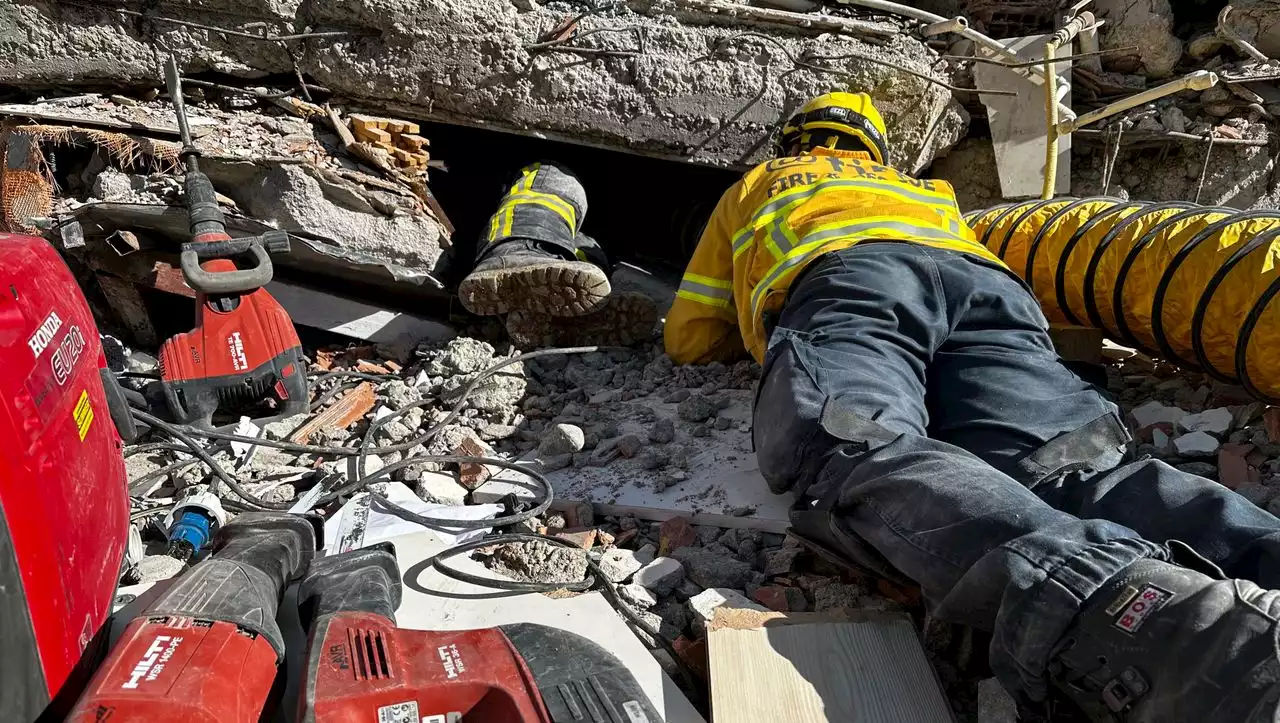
<point x="596" y="580"/>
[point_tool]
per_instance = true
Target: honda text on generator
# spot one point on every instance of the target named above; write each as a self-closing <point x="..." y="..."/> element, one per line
<point x="64" y="497"/>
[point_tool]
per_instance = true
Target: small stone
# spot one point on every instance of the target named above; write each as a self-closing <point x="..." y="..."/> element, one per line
<point x="283" y="428"/>
<point x="677" y="396"/>
<point x="723" y="423"/>
<point x="662" y="431"/>
<point x="637" y="594"/>
<point x="676" y="533"/>
<point x="744" y="511"/>
<point x="1213" y="421"/>
<point x="1152" y="412"/>
<point x="629" y="445"/>
<point x="653" y="459"/>
<point x="646" y="554"/>
<point x="660" y="576"/>
<point x="708" y="534"/>
<point x="1160" y="439"/>
<point x="153" y="568"/>
<point x="561" y="439"/>
<point x="1274" y="506"/>
<point x="553" y="464"/>
<point x="703" y="606"/>
<point x="1233" y="468"/>
<point x="441" y="489"/>
<point x="619" y="564"/>
<point x="1196" y="444"/>
<point x="701" y="430"/>
<point x="837" y="596"/>
<point x="712" y="569"/>
<point x="539" y="561"/>
<point x="782" y="561"/>
<point x="696" y="409"/>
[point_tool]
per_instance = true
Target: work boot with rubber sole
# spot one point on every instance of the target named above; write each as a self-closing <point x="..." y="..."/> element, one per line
<point x="521" y="275"/>
<point x="1160" y="643"/>
<point x="624" y="318"/>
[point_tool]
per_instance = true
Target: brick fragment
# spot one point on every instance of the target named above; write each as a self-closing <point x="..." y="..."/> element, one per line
<point x="676" y="533"/>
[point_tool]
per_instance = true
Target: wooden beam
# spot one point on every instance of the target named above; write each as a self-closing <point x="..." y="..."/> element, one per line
<point x="871" y="669"/>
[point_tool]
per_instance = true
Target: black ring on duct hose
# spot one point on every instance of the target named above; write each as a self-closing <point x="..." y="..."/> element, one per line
<point x="986" y="235"/>
<point x="1242" y="342"/>
<point x="1202" y="306"/>
<point x="973" y="216"/>
<point x="1090" y="304"/>
<point x="1060" y="274"/>
<point x="1008" y="237"/>
<point x="1044" y="231"/>
<point x="1131" y="258"/>
<point x="1166" y="278"/>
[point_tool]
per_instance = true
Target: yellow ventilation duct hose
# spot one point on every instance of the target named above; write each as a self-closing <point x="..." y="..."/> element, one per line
<point x="1193" y="284"/>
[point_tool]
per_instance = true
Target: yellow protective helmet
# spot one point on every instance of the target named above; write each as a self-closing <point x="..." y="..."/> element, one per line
<point x="847" y="115"/>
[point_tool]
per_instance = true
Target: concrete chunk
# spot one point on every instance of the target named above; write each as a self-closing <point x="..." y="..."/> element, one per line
<point x="660" y="576"/>
<point x="704" y="605"/>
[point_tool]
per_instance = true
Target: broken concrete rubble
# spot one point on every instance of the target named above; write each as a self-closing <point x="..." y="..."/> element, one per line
<point x="656" y="86"/>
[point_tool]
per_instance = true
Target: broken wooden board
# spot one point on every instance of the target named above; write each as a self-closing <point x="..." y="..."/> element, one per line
<point x="723" y="476"/>
<point x="341" y="414"/>
<point x="1018" y="128"/>
<point x="870" y="669"/>
<point x="433" y="601"/>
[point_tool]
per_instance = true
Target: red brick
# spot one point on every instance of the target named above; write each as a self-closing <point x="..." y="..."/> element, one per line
<point x="582" y="538"/>
<point x="781" y="599"/>
<point x="1233" y="469"/>
<point x="1144" y="434"/>
<point x="676" y="533"/>
<point x="471" y="474"/>
<point x="694" y="654"/>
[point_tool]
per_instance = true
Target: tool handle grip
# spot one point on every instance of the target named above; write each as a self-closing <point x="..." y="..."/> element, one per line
<point x="226" y="282"/>
<point x="364" y="580"/>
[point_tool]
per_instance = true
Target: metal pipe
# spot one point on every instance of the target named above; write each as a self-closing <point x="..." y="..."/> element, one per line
<point x="1199" y="80"/>
<point x="1226" y="33"/>
<point x="1051" y="116"/>
<point x="954" y="25"/>
<point x="1036" y="75"/>
<point x="1089" y="43"/>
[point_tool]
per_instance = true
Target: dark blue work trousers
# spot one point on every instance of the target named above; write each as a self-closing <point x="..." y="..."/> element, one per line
<point x="914" y="395"/>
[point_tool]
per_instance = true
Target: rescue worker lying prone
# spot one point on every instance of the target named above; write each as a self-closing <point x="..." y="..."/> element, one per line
<point x="915" y="402"/>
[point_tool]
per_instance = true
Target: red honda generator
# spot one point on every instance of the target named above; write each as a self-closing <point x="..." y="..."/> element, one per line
<point x="64" y="498"/>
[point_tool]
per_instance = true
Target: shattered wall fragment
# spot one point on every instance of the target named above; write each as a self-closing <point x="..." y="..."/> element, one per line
<point x="645" y="84"/>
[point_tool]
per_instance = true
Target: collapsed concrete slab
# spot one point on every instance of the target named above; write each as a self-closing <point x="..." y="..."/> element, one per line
<point x="653" y="82"/>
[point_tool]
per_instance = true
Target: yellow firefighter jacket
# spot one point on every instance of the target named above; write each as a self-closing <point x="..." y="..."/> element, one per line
<point x="779" y="217"/>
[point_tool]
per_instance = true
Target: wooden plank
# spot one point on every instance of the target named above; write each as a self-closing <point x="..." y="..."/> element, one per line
<point x="433" y="601"/>
<point x="871" y="671"/>
<point x="340" y="415"/>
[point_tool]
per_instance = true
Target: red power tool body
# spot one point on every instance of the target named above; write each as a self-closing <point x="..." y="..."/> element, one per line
<point x="206" y="650"/>
<point x="244" y="348"/>
<point x="64" y="495"/>
<point x="362" y="668"/>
